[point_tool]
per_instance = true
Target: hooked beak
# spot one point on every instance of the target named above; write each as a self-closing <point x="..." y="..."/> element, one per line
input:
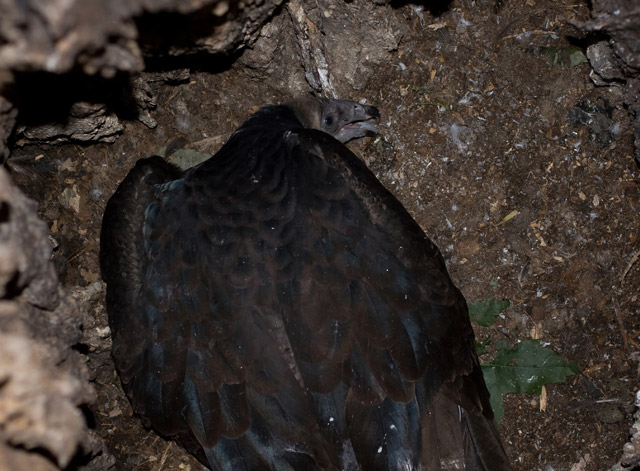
<point x="362" y="122"/>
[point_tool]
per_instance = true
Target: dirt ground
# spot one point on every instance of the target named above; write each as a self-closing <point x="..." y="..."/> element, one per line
<point x="482" y="116"/>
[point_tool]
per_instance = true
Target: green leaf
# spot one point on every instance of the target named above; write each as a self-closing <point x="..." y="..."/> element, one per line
<point x="187" y="158"/>
<point x="577" y="57"/>
<point x="523" y="369"/>
<point x="486" y="312"/>
<point x="563" y="55"/>
<point x="183" y="158"/>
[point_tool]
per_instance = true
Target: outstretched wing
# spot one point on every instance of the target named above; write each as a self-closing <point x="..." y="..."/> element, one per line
<point x="277" y="308"/>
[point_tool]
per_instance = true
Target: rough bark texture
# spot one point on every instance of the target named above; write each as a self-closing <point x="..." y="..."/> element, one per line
<point x="323" y="29"/>
<point x="109" y="40"/>
<point x="616" y="60"/>
<point x="8" y="115"/>
<point x="43" y="381"/>
<point x="102" y="37"/>
<point x="106" y="39"/>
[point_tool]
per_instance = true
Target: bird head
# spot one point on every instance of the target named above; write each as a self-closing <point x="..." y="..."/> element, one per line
<point x="343" y="119"/>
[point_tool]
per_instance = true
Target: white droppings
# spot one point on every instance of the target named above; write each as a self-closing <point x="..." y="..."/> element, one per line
<point x="380" y="449"/>
<point x="449" y="225"/>
<point x="417" y="10"/>
<point x="96" y="194"/>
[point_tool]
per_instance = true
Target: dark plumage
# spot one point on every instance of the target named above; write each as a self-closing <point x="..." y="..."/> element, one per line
<point x="276" y="308"/>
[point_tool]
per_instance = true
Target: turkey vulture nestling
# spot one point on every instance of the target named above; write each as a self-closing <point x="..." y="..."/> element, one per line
<point x="276" y="308"/>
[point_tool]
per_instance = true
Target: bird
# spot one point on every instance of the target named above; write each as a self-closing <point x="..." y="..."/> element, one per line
<point x="275" y="307"/>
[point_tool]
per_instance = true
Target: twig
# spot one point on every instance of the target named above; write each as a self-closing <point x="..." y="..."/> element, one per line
<point x="534" y="31"/>
<point x="164" y="456"/>
<point x="634" y="259"/>
<point x="76" y="254"/>
<point x="623" y="331"/>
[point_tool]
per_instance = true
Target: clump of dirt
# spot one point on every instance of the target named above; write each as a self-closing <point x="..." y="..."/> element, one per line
<point x="484" y="116"/>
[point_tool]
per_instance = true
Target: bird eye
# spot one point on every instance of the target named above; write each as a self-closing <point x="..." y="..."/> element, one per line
<point x="328" y="120"/>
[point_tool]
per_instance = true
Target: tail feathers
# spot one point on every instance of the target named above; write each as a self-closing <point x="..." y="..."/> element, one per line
<point x="442" y="435"/>
<point x="482" y="445"/>
<point x="458" y="439"/>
